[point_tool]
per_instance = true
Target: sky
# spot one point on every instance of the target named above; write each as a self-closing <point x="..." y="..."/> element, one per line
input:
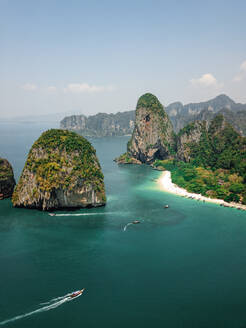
<point x="93" y="56"/>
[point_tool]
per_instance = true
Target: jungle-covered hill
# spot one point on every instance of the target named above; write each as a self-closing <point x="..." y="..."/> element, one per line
<point x="213" y="163"/>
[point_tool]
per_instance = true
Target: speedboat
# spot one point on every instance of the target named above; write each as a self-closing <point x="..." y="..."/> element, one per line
<point x="52" y="214"/>
<point x="77" y="293"/>
<point x="136" y="222"/>
<point x="166" y="206"/>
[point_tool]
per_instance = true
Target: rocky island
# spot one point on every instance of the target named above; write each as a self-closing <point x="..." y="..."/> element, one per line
<point x="153" y="137"/>
<point x="7" y="181"/>
<point x="61" y="171"/>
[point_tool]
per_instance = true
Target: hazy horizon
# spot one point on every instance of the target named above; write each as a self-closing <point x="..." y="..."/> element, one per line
<point x="89" y="57"/>
<point x="61" y="115"/>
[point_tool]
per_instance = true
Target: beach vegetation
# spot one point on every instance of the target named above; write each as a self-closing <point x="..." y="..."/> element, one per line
<point x="213" y="183"/>
<point x="216" y="165"/>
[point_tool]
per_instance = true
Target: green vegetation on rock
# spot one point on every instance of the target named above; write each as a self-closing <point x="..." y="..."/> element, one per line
<point x="126" y="158"/>
<point x="219" y="146"/>
<point x="78" y="154"/>
<point x="5" y="170"/>
<point x="7" y="181"/>
<point x="149" y="101"/>
<point x="153" y="135"/>
<point x="59" y="160"/>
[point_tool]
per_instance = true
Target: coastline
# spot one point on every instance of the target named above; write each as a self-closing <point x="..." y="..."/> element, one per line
<point x="166" y="184"/>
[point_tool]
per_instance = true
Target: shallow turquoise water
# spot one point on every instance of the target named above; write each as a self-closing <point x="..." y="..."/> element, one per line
<point x="181" y="267"/>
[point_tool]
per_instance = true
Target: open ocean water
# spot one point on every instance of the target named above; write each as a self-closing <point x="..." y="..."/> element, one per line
<point x="180" y="267"/>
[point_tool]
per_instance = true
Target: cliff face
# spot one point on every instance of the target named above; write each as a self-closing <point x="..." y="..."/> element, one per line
<point x="61" y="171"/>
<point x="74" y="122"/>
<point x="181" y="115"/>
<point x="235" y="113"/>
<point x="7" y="181"/>
<point x="100" y="125"/>
<point x="237" y="118"/>
<point x="215" y="144"/>
<point x="188" y="137"/>
<point x="153" y="136"/>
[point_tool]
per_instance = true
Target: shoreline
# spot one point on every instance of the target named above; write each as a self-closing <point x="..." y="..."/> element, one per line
<point x="166" y="184"/>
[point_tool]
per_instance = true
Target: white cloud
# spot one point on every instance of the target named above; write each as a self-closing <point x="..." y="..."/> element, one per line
<point x="206" y="80"/>
<point x="243" y="66"/>
<point x="86" y="88"/>
<point x="29" y="87"/>
<point x="51" y="88"/>
<point x="242" y="73"/>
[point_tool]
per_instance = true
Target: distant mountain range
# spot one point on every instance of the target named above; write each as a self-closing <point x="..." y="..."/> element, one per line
<point x="233" y="112"/>
<point x="122" y="123"/>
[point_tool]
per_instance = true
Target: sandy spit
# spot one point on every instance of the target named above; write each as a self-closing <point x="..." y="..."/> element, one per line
<point x="166" y="184"/>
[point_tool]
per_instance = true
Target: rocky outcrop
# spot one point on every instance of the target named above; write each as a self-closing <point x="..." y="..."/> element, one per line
<point x="74" y="122"/>
<point x="101" y="124"/>
<point x="153" y="136"/>
<point x="188" y="137"/>
<point x="211" y="144"/>
<point x="126" y="158"/>
<point x="61" y="171"/>
<point x="7" y="181"/>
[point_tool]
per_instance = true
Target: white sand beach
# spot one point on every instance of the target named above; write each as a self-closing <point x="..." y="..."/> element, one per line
<point x="167" y="185"/>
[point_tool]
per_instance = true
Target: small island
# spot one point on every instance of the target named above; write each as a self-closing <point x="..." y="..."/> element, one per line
<point x="206" y="158"/>
<point x="7" y="180"/>
<point x="61" y="171"/>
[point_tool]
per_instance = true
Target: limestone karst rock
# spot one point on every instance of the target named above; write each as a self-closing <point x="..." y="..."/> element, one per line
<point x="7" y="181"/>
<point x="101" y="124"/>
<point x="61" y="171"/>
<point x="189" y="136"/>
<point x="153" y="136"/>
<point x="211" y="144"/>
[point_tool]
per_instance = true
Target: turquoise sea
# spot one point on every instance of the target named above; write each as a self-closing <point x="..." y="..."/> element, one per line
<point x="181" y="267"/>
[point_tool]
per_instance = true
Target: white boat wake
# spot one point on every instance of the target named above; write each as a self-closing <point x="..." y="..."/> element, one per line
<point x="82" y="214"/>
<point x="56" y="299"/>
<point x="52" y="304"/>
<point x="134" y="222"/>
<point x="126" y="226"/>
